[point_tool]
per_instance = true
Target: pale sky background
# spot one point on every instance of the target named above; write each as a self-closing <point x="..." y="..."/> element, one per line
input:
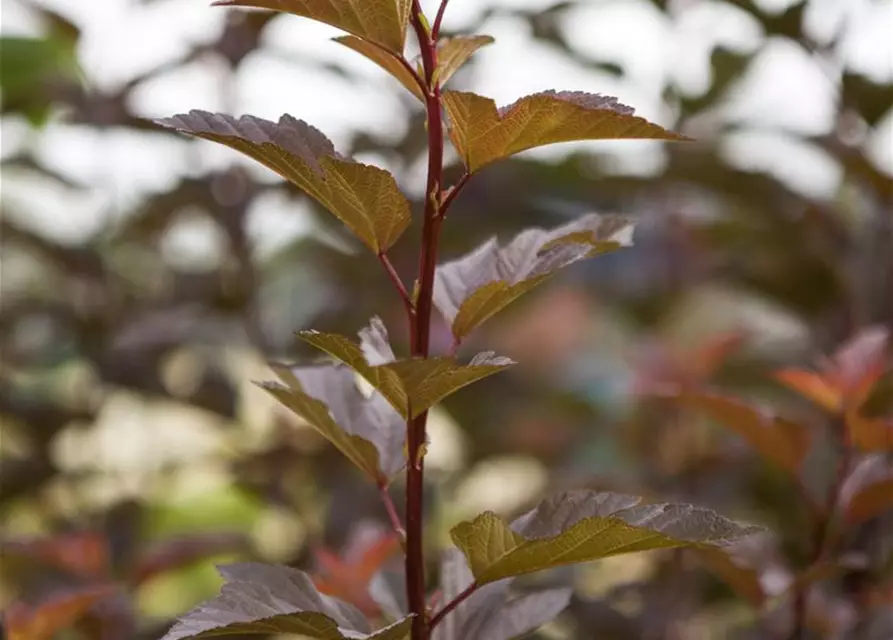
<point x="785" y="92"/>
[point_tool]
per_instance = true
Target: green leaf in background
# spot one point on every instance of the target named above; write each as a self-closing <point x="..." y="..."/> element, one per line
<point x="581" y="526"/>
<point x="470" y="290"/>
<point x="483" y="133"/>
<point x="366" y="430"/>
<point x="411" y="386"/>
<point x="263" y="599"/>
<point x="365" y="198"/>
<point x="382" y="22"/>
<point x="492" y="612"/>
<point x="30" y="67"/>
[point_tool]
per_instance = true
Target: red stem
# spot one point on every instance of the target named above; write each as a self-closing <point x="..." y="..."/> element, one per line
<point x="824" y="532"/>
<point x="435" y="30"/>
<point x="401" y="289"/>
<point x="393" y="516"/>
<point x="452" y="604"/>
<point x="415" y="558"/>
<point x="454" y="191"/>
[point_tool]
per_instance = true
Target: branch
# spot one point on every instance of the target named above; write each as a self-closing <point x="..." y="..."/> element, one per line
<point x="393" y="516"/>
<point x="824" y="531"/>
<point x="435" y="30"/>
<point x="400" y="287"/>
<point x="452" y="604"/>
<point x="452" y="193"/>
<point x="415" y="431"/>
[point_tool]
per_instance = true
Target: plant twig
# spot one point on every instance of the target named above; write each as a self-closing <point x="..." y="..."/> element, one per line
<point x="452" y="192"/>
<point x="415" y="437"/>
<point x="400" y="287"/>
<point x="452" y="604"/>
<point x="824" y="534"/>
<point x="394" y="517"/>
<point x="435" y="30"/>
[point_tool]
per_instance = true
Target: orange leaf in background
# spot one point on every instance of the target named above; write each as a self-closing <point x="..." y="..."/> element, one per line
<point x="45" y="620"/>
<point x="870" y="501"/>
<point x="664" y="366"/>
<point x="812" y="386"/>
<point x="709" y="357"/>
<point x="178" y="552"/>
<point x="84" y="553"/>
<point x="870" y="434"/>
<point x="348" y="577"/>
<point x="868" y="490"/>
<point x="846" y="380"/>
<point x="743" y="580"/>
<point x="860" y="363"/>
<point x="783" y="441"/>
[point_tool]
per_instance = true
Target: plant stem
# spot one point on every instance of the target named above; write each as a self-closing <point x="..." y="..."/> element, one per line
<point x="401" y="289"/>
<point x="393" y="516"/>
<point x="452" y="604"/>
<point x="824" y="531"/>
<point x="415" y="437"/>
<point x="451" y="194"/>
<point x="435" y="30"/>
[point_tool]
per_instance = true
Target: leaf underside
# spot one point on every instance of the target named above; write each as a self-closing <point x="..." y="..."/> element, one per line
<point x="366" y="430"/>
<point x="581" y="526"/>
<point x="492" y="612"/>
<point x="452" y="53"/>
<point x="411" y="386"/>
<point x="264" y="599"/>
<point x="365" y="198"/>
<point x="483" y="133"/>
<point x="470" y="290"/>
<point x="383" y="22"/>
<point x="384" y="60"/>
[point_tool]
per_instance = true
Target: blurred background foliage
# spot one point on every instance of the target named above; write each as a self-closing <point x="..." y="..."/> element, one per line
<point x="146" y="280"/>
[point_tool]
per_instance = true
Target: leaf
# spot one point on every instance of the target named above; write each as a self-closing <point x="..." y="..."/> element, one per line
<point x="452" y="53"/>
<point x="411" y="386"/>
<point x="860" y="363"/>
<point x="870" y="434"/>
<point x="491" y="612"/>
<point x="470" y="290"/>
<point x="179" y="552"/>
<point x="517" y="616"/>
<point x="455" y="577"/>
<point x="871" y="501"/>
<point x="660" y="366"/>
<point x="31" y="63"/>
<point x="813" y="386"/>
<point x="380" y="21"/>
<point x="581" y="526"/>
<point x="388" y="590"/>
<point x="83" y="553"/>
<point x="384" y="60"/>
<point x="366" y="430"/>
<point x="745" y="581"/>
<point x="782" y="441"/>
<point x="868" y="491"/>
<point x="264" y="599"/>
<point x="45" y="620"/>
<point x="365" y="198"/>
<point x="483" y="134"/>
<point x="349" y="577"/>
